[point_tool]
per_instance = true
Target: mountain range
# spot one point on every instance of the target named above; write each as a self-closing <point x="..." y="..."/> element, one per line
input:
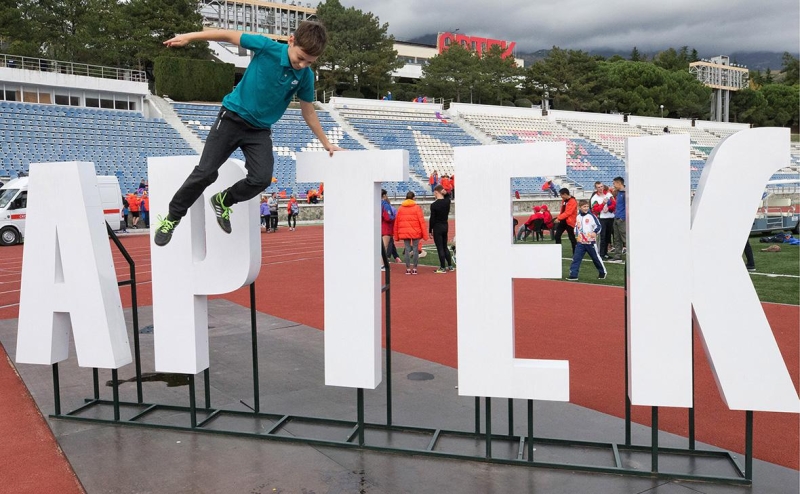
<point x="755" y="60"/>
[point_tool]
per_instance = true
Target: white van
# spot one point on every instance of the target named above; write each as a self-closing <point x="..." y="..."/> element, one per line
<point x="14" y="200"/>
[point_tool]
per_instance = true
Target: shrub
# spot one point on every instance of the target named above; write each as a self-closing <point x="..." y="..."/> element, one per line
<point x="184" y="79"/>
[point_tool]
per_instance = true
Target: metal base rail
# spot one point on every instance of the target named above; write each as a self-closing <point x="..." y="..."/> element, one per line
<point x="355" y="437"/>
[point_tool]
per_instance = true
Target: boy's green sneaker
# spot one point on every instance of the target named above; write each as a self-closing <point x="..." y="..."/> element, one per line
<point x="222" y="211"/>
<point x="164" y="230"/>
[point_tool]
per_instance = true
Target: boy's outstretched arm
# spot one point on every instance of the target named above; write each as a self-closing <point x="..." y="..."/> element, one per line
<point x="211" y="35"/>
<point x="310" y="116"/>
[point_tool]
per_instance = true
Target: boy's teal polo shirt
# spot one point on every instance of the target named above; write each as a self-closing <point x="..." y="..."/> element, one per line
<point x="268" y="84"/>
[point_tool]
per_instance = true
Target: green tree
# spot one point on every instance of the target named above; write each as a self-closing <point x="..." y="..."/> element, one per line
<point x="672" y="60"/>
<point x="640" y="88"/>
<point x="790" y="69"/>
<point x="635" y="55"/>
<point x="568" y="76"/>
<point x="768" y="78"/>
<point x="749" y="106"/>
<point x="783" y="103"/>
<point x="151" y="22"/>
<point x="498" y="77"/>
<point x="360" y="54"/>
<point x="18" y="31"/>
<point x="694" y="57"/>
<point x="455" y="73"/>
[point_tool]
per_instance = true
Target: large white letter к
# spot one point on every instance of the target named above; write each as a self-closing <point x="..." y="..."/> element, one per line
<point x="68" y="277"/>
<point x="200" y="260"/>
<point x="745" y="359"/>
<point x="352" y="232"/>
<point x="487" y="262"/>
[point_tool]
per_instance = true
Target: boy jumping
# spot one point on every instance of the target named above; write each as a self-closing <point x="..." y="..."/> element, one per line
<point x="586" y="229"/>
<point x="276" y="73"/>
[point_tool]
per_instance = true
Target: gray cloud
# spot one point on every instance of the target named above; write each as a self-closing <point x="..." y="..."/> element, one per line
<point x="711" y="26"/>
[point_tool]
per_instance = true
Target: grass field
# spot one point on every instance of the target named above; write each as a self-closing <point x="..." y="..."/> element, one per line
<point x="776" y="279"/>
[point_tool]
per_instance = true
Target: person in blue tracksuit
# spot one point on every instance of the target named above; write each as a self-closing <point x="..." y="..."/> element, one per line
<point x="587" y="227"/>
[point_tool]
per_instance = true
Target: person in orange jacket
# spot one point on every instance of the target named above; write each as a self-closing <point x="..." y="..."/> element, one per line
<point x="410" y="227"/>
<point x="144" y="209"/>
<point x="566" y="220"/>
<point x="133" y="205"/>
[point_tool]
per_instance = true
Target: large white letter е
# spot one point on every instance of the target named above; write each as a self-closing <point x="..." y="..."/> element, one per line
<point x="68" y="277"/>
<point x="487" y="262"/>
<point x="200" y="260"/>
<point x="352" y="232"/>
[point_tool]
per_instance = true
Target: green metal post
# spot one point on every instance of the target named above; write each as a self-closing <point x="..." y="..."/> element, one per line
<point x="134" y="311"/>
<point x="510" y="417"/>
<point x="192" y="404"/>
<point x="115" y="388"/>
<point x="488" y="405"/>
<point x="360" y="415"/>
<point x="56" y="390"/>
<point x="254" y="343"/>
<point x="477" y="415"/>
<point x="748" y="445"/>
<point x="530" y="431"/>
<point x="207" y="387"/>
<point x="96" y="383"/>
<point x="654" y="440"/>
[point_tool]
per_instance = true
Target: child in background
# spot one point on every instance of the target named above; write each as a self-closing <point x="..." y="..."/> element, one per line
<point x="264" y="213"/>
<point x="587" y="227"/>
<point x="292" y="210"/>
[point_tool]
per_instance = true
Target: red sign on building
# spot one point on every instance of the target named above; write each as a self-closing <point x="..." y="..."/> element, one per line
<point x="473" y="43"/>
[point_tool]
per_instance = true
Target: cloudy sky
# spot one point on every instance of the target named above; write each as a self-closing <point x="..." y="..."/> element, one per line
<point x="711" y="26"/>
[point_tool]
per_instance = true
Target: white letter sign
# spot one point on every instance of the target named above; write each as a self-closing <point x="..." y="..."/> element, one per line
<point x="487" y="262"/>
<point x="747" y="364"/>
<point x="659" y="271"/>
<point x="200" y="260"/>
<point x="68" y="277"/>
<point x="352" y="232"/>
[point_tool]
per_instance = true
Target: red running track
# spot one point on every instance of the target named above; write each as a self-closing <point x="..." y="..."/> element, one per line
<point x="290" y="286"/>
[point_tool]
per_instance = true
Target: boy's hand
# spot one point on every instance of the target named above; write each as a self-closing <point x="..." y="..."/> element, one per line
<point x="179" y="40"/>
<point x="331" y="148"/>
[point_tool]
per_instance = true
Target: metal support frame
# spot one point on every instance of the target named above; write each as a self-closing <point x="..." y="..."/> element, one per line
<point x="357" y="437"/>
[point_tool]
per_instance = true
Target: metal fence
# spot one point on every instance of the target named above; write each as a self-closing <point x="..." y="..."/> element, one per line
<point x="71" y="68"/>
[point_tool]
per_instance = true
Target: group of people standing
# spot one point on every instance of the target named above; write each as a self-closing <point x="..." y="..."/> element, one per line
<point x="596" y="226"/>
<point x="448" y="183"/>
<point x="136" y="208"/>
<point x="269" y="212"/>
<point x="407" y="223"/>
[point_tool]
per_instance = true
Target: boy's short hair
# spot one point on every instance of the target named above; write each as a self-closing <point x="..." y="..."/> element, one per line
<point x="410" y="195"/>
<point x="383" y="192"/>
<point x="439" y="188"/>
<point x="620" y="180"/>
<point x="311" y="37"/>
<point x="563" y="191"/>
<point x="583" y="202"/>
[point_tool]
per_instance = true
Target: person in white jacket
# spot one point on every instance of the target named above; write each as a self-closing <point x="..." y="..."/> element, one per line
<point x="587" y="227"/>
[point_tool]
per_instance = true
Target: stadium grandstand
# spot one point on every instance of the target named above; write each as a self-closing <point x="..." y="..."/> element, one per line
<point x="56" y="111"/>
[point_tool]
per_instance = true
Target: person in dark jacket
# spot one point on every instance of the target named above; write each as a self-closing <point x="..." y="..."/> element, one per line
<point x="438" y="227"/>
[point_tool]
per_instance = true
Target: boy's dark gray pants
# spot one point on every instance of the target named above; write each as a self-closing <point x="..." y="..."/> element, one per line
<point x="230" y="131"/>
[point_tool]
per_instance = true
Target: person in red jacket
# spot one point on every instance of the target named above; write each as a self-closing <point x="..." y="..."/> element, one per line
<point x="548" y="220"/>
<point x="409" y="226"/>
<point x="433" y="180"/>
<point x="566" y="220"/>
<point x="533" y="224"/>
